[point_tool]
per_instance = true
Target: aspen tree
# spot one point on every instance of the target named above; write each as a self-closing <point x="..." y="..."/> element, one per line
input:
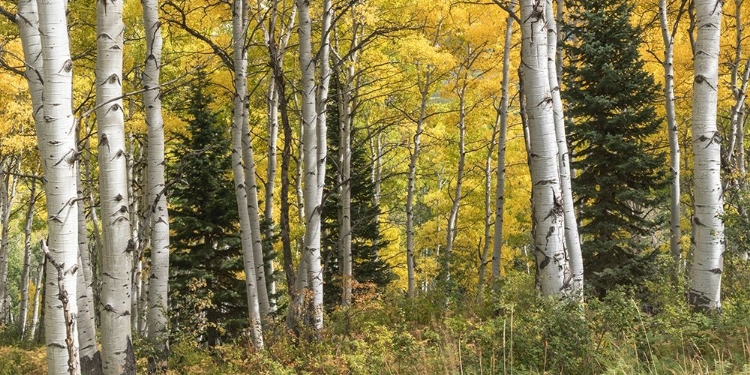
<point x="157" y="309"/>
<point x="553" y="270"/>
<point x="56" y="139"/>
<point x="501" y="143"/>
<point x="708" y="224"/>
<point x="117" y="256"/>
<point x="239" y="30"/>
<point x="572" y="240"/>
<point x="674" y="145"/>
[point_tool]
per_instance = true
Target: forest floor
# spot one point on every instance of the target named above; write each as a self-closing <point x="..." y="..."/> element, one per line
<point x="629" y="331"/>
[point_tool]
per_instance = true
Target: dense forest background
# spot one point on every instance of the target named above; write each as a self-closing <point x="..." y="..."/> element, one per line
<point x="359" y="187"/>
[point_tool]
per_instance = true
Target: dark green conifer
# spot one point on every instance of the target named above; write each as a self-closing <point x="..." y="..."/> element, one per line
<point x="368" y="267"/>
<point x="620" y="181"/>
<point x="206" y="290"/>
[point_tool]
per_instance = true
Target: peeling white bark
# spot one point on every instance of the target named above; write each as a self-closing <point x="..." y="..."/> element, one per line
<point x="708" y="225"/>
<point x="239" y="33"/>
<point x="572" y="240"/>
<point x="553" y="270"/>
<point x="56" y="136"/>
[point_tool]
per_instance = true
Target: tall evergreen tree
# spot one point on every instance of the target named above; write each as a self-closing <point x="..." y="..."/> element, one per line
<point x="206" y="290"/>
<point x="366" y="242"/>
<point x="620" y="178"/>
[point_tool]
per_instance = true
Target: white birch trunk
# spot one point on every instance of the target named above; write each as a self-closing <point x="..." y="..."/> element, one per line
<point x="28" y="25"/>
<point x="553" y="270"/>
<point x="424" y="91"/>
<point x="273" y="136"/>
<point x="239" y="31"/>
<point x="708" y="228"/>
<point x="497" y="249"/>
<point x="91" y="360"/>
<point x="25" y="276"/>
<point x="345" y="162"/>
<point x="310" y="145"/>
<point x="738" y="89"/>
<point x="453" y="215"/>
<point x="57" y="142"/>
<point x="8" y="184"/>
<point x="315" y="269"/>
<point x="675" y="234"/>
<point x="251" y="187"/>
<point x="34" y="327"/>
<point x="483" y="261"/>
<point x="572" y="240"/>
<point x="157" y="309"/>
<point x="314" y="149"/>
<point x="117" y="255"/>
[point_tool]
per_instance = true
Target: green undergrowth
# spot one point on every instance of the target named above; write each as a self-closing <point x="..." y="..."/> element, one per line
<point x="649" y="329"/>
<point x="629" y="331"/>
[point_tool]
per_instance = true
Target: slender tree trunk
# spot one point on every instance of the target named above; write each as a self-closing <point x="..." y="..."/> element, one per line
<point x="553" y="270"/>
<point x="738" y="87"/>
<point x="313" y="108"/>
<point x="572" y="240"/>
<point x="135" y="156"/>
<point x="56" y="139"/>
<point x="25" y="276"/>
<point x="28" y="25"/>
<point x="38" y="286"/>
<point x="251" y="187"/>
<point x="8" y="184"/>
<point x="157" y="308"/>
<point x="674" y="144"/>
<point x="345" y="162"/>
<point x="117" y="257"/>
<point x="453" y="215"/>
<point x="286" y="154"/>
<point x="483" y="259"/>
<point x="376" y="146"/>
<point x="501" y="144"/>
<point x="268" y="225"/>
<point x="91" y="360"/>
<point x="708" y="229"/>
<point x="239" y="32"/>
<point x="424" y="91"/>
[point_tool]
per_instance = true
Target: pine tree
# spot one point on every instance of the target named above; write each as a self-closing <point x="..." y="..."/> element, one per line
<point x="620" y="175"/>
<point x="368" y="268"/>
<point x="208" y="297"/>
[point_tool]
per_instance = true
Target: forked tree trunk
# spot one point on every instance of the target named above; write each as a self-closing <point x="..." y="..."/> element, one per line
<point x="313" y="107"/>
<point x="708" y="228"/>
<point x="239" y="29"/>
<point x="553" y="270"/>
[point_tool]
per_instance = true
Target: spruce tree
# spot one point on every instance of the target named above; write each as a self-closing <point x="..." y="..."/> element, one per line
<point x="367" y="267"/>
<point x="206" y="260"/>
<point x="620" y="181"/>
